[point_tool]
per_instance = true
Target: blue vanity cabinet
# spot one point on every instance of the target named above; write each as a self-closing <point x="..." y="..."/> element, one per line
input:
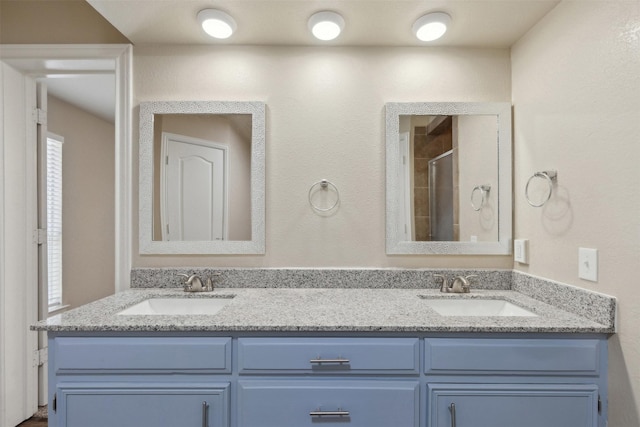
<point x="367" y="380"/>
<point x="107" y="381"/>
<point x="485" y="382"/>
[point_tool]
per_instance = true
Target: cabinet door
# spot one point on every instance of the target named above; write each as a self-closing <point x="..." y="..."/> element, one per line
<point x="141" y="405"/>
<point x="328" y="402"/>
<point x="505" y="405"/>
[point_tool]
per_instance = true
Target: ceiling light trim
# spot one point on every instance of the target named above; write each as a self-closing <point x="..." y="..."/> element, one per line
<point x="432" y="26"/>
<point x="216" y="23"/>
<point x="326" y="25"/>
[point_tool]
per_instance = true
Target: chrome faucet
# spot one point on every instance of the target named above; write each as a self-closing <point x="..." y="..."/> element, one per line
<point x="459" y="285"/>
<point x="193" y="283"/>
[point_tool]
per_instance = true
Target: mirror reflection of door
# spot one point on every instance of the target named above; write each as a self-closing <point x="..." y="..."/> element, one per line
<point x="231" y="132"/>
<point x="193" y="198"/>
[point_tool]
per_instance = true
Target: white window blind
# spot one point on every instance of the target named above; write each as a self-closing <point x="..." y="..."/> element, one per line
<point x="54" y="222"/>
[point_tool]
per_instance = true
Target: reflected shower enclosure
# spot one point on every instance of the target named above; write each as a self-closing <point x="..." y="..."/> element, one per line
<point x="447" y="156"/>
<point x="438" y="156"/>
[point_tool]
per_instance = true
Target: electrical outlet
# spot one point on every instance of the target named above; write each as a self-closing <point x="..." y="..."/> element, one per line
<point x="588" y="264"/>
<point x="521" y="251"/>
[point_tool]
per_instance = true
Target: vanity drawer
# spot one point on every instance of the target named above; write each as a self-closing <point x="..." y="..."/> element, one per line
<point x="527" y="356"/>
<point x="143" y="355"/>
<point x="328" y="355"/>
<point x="309" y="403"/>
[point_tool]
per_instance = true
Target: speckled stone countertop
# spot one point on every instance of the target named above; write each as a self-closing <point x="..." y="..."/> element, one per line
<point x="319" y="310"/>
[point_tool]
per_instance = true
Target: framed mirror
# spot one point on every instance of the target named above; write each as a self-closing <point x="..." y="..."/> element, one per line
<point x="448" y="177"/>
<point x="202" y="171"/>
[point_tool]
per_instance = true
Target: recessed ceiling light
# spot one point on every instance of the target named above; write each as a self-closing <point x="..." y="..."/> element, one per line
<point x="326" y="25"/>
<point x="216" y="23"/>
<point x="431" y="26"/>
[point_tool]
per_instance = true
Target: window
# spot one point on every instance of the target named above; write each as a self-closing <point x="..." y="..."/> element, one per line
<point x="54" y="221"/>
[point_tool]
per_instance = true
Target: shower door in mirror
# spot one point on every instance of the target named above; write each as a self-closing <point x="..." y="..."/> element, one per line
<point x="441" y="195"/>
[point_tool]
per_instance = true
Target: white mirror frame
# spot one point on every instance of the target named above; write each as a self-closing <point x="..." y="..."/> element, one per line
<point x="503" y="111"/>
<point x="257" y="243"/>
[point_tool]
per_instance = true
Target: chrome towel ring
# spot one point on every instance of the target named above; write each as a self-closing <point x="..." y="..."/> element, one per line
<point x="484" y="193"/>
<point x="550" y="177"/>
<point x="324" y="185"/>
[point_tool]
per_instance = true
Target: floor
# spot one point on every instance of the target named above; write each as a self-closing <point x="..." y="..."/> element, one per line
<point x="38" y="420"/>
<point x="34" y="422"/>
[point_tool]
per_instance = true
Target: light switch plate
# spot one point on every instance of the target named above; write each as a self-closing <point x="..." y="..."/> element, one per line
<point x="588" y="264"/>
<point x="521" y="251"/>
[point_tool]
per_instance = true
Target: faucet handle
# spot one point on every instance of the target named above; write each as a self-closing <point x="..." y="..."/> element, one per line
<point x="210" y="283"/>
<point x="441" y="276"/>
<point x="192" y="282"/>
<point x="444" y="287"/>
<point x="186" y="284"/>
<point x="466" y="283"/>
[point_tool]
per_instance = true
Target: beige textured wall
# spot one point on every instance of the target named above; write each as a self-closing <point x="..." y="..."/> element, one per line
<point x="88" y="197"/>
<point x="576" y="95"/>
<point x="325" y="119"/>
<point x="54" y="21"/>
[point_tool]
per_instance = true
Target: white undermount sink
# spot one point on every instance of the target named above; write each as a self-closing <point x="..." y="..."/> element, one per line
<point x="476" y="307"/>
<point x="177" y="306"/>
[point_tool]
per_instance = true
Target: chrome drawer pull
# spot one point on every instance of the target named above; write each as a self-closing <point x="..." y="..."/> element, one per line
<point x="338" y="413"/>
<point x="452" y="408"/>
<point x="320" y="361"/>
<point x="205" y="421"/>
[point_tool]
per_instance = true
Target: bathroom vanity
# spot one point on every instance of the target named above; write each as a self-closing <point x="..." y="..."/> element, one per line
<point x="304" y="357"/>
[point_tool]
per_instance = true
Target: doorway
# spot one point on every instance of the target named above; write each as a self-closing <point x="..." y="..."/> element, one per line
<point x="20" y="66"/>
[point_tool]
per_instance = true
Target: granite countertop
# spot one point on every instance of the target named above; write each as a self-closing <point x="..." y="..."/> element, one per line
<point x="318" y="310"/>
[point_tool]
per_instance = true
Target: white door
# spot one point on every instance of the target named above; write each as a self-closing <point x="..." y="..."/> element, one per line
<point x="18" y="248"/>
<point x="193" y="200"/>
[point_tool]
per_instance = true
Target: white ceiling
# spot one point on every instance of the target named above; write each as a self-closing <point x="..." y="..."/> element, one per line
<point x="93" y="93"/>
<point x="475" y="23"/>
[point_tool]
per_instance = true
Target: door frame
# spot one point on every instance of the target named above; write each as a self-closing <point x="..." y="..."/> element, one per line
<point x="40" y="61"/>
